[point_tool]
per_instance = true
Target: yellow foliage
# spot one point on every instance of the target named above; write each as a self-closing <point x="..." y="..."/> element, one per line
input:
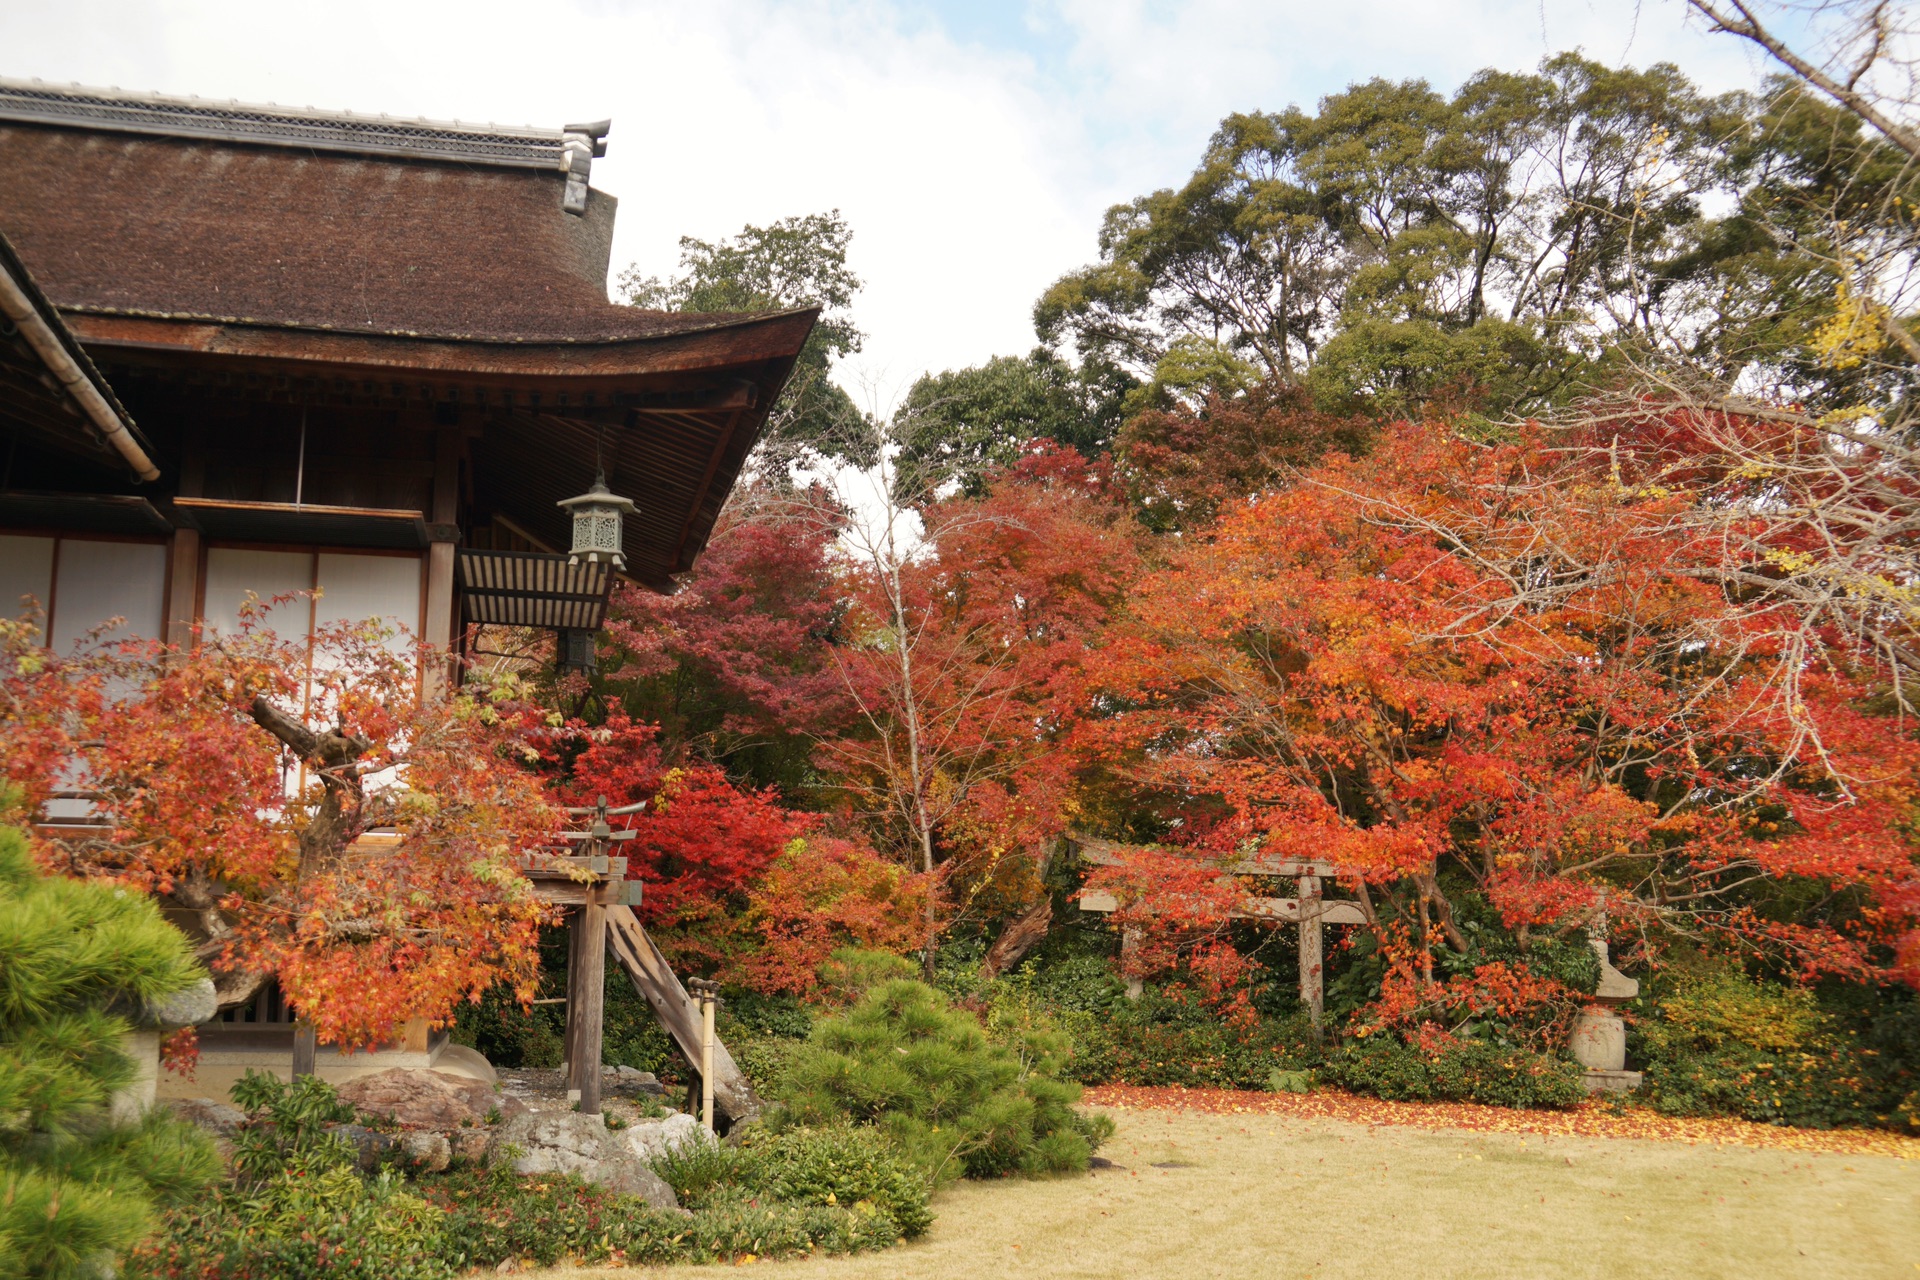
<point x="1856" y="330"/>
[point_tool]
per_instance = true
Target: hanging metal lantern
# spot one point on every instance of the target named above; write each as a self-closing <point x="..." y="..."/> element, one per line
<point x="596" y="525"/>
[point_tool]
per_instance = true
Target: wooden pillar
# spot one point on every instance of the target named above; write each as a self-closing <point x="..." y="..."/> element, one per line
<point x="586" y="995"/>
<point x="306" y="1049"/>
<point x="444" y="531"/>
<point x="183" y="553"/>
<point x="183" y="587"/>
<point x="569" y="1054"/>
<point x="1312" y="964"/>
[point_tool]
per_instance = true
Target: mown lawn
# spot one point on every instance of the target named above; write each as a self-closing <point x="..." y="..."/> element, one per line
<point x="1271" y="1196"/>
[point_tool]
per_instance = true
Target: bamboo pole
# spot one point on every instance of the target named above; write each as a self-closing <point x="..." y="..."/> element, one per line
<point x="708" y="994"/>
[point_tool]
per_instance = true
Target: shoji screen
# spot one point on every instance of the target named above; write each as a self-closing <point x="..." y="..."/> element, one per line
<point x="81" y="582"/>
<point x="356" y="587"/>
<point x="233" y="572"/>
<point x="26" y="569"/>
<point x="94" y="581"/>
<point x="353" y="587"/>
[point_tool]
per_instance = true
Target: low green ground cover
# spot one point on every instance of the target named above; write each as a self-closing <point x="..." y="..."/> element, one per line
<point x="870" y="1113"/>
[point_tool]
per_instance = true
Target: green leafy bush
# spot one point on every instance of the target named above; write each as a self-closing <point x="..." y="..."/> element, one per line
<point x="510" y="1034"/>
<point x="289" y="1127"/>
<point x="1464" y="1071"/>
<point x="494" y="1215"/>
<point x="1722" y="1044"/>
<point x="77" y="1186"/>
<point x="1163" y="1039"/>
<point x="765" y="1060"/>
<point x="298" y="1207"/>
<point x="746" y="1014"/>
<point x="838" y="1166"/>
<point x="926" y="1075"/>
<point x="843" y="1166"/>
<point x="300" y="1210"/>
<point x="335" y="1225"/>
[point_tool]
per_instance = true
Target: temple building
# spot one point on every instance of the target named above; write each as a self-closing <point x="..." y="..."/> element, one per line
<point x="253" y="349"/>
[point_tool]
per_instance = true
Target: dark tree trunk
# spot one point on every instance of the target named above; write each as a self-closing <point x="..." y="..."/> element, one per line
<point x="1017" y="939"/>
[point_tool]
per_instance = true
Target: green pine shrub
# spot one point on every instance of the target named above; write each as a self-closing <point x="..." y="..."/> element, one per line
<point x="78" y="1188"/>
<point x="928" y="1077"/>
<point x="850" y="972"/>
<point x="1723" y="1044"/>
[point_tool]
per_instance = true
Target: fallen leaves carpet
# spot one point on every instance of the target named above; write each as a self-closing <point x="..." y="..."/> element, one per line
<point x="1593" y="1120"/>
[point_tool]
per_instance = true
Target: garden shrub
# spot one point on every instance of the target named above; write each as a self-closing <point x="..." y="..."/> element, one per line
<point x="78" y="1187"/>
<point x="298" y="1207"/>
<point x="512" y="1035"/>
<point x="334" y="1225"/>
<point x="495" y="1215"/>
<point x="300" y="1210"/>
<point x="927" y="1076"/>
<point x="1723" y="1044"/>
<point x="751" y="1013"/>
<point x="851" y="972"/>
<point x="1174" y="1039"/>
<point x="1461" y="1071"/>
<point x="764" y="1060"/>
<point x="289" y="1128"/>
<point x="841" y="1165"/>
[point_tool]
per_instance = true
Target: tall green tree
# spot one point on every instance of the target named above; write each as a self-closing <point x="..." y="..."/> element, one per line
<point x="785" y="265"/>
<point x="959" y="426"/>
<point x="1398" y="248"/>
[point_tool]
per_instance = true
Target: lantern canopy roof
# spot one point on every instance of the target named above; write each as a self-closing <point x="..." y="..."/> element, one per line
<point x="598" y="496"/>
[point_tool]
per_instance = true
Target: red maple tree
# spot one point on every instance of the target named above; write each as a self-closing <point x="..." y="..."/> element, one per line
<point x="322" y="819"/>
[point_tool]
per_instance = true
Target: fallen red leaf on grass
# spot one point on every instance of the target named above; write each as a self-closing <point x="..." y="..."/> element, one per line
<point x="1592" y="1120"/>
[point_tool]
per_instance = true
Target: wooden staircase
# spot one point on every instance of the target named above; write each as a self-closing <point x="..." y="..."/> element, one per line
<point x="627" y="942"/>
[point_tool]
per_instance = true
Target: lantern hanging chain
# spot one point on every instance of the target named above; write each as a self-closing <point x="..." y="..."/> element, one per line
<point x="599" y="459"/>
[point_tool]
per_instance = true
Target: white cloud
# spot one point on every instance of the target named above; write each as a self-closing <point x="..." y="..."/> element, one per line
<point x="971" y="178"/>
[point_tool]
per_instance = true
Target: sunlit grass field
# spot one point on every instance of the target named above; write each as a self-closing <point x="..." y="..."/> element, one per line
<point x="1268" y="1196"/>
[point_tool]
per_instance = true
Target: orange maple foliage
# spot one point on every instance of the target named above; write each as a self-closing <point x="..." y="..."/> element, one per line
<point x="1523" y="668"/>
<point x="968" y="668"/>
<point x="190" y="798"/>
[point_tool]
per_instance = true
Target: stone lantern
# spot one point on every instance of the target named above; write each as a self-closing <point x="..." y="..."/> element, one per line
<point x="597" y="515"/>
<point x="1600" y="1034"/>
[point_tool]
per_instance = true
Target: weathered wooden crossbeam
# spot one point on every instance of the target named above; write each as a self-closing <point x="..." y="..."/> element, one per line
<point x="1287" y="910"/>
<point x="1110" y="853"/>
<point x="1309" y="910"/>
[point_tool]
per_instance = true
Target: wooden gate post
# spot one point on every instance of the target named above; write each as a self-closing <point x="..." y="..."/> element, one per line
<point x="1130" y="942"/>
<point x="586" y="1001"/>
<point x="1312" y="962"/>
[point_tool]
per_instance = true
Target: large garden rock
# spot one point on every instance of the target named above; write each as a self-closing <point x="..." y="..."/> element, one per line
<point x="186" y="1008"/>
<point x="651" y="1139"/>
<point x="217" y="1118"/>
<point x="421" y="1150"/>
<point x="425" y="1099"/>
<point x="568" y="1142"/>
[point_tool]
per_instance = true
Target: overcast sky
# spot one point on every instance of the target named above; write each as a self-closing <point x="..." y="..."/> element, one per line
<point x="972" y="146"/>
